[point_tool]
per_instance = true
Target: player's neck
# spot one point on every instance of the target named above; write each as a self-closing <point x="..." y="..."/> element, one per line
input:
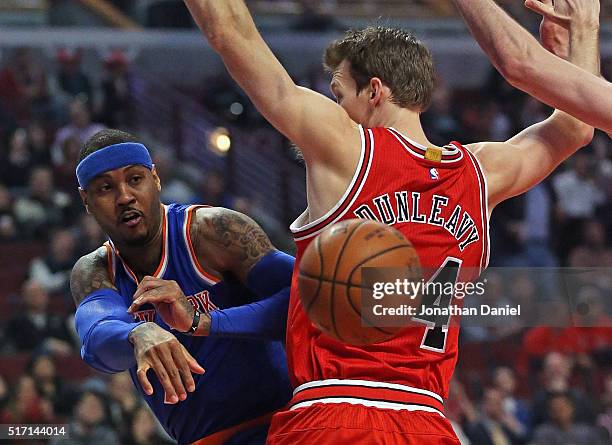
<point x="405" y="121"/>
<point x="144" y="259"/>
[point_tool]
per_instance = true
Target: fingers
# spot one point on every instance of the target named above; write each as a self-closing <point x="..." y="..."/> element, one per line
<point x="183" y="367"/>
<point x="546" y="9"/>
<point x="192" y="362"/>
<point x="164" y="379"/>
<point x="171" y="367"/>
<point x="146" y="284"/>
<point x="153" y="296"/>
<point x="141" y="373"/>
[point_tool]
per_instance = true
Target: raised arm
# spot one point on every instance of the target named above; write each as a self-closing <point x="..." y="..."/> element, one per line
<point x="517" y="165"/>
<point x="320" y="127"/>
<point x="529" y="67"/>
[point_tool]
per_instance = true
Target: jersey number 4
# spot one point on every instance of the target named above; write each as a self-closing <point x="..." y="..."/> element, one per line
<point x="436" y="330"/>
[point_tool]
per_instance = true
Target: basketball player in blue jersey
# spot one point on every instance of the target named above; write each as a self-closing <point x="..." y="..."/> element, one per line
<point x="180" y="290"/>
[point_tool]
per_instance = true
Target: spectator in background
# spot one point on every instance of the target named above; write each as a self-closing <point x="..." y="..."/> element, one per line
<point x="507" y="235"/>
<point x="18" y="163"/>
<point x="438" y="119"/>
<point x="64" y="171"/>
<point x="17" y="84"/>
<point x="80" y="129"/>
<point x="170" y="171"/>
<point x="493" y="425"/>
<point x="311" y="19"/>
<point x="33" y="327"/>
<point x="90" y="236"/>
<point x="88" y="424"/>
<point x="604" y="420"/>
<point x="116" y="106"/>
<point x="43" y="207"/>
<point x="38" y="144"/>
<point x="578" y="198"/>
<point x="562" y="428"/>
<point x="555" y="379"/>
<point x="214" y="191"/>
<point x="504" y="380"/>
<point x="124" y="402"/>
<point x="8" y="221"/>
<point x="52" y="387"/>
<point x="26" y="405"/>
<point x="593" y="251"/>
<point x="539" y="206"/>
<point x="71" y="79"/>
<point x="144" y="429"/>
<point x="4" y="393"/>
<point x="53" y="271"/>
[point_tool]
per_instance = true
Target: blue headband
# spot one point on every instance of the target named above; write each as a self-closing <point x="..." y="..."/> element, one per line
<point x="111" y="158"/>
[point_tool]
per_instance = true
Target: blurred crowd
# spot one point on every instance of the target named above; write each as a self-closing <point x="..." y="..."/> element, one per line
<point x="527" y="384"/>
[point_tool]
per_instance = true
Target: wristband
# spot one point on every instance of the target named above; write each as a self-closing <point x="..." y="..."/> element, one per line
<point x="194" y="325"/>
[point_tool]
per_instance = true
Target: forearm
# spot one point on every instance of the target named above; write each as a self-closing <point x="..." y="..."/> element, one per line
<point x="583" y="52"/>
<point x="218" y="19"/>
<point x="270" y="281"/>
<point x="584" y="48"/>
<point x="104" y="328"/>
<point x="265" y="319"/>
<point x="529" y="67"/>
<point x="507" y="44"/>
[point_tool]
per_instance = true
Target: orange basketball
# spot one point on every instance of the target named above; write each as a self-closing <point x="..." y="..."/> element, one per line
<point x="330" y="277"/>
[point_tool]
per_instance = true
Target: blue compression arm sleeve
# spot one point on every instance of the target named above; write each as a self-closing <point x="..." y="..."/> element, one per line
<point x="103" y="325"/>
<point x="265" y="319"/>
<point x="270" y="280"/>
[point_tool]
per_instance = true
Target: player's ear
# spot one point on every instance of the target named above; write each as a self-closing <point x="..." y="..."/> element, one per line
<point x="376" y="90"/>
<point x="156" y="178"/>
<point x="83" y="195"/>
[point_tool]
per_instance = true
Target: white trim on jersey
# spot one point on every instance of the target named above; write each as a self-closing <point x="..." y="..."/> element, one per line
<point x="484" y="196"/>
<point x="160" y="271"/>
<point x="368" y="403"/>
<point x="445" y="150"/>
<point x="194" y="261"/>
<point x="296" y="229"/>
<point x="367" y="384"/>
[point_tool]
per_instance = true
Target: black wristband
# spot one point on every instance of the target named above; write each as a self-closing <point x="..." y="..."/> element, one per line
<point x="194" y="324"/>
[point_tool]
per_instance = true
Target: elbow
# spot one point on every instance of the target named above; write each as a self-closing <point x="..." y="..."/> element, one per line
<point x="514" y="68"/>
<point x="515" y="60"/>
<point x="584" y="135"/>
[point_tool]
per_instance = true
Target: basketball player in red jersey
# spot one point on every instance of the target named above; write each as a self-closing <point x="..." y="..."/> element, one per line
<point x="367" y="156"/>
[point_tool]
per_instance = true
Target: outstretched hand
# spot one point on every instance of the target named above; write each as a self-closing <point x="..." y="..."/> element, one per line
<point x="157" y="349"/>
<point x="555" y="25"/>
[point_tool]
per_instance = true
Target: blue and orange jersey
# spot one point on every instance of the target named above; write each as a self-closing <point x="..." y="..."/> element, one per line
<point x="244" y="380"/>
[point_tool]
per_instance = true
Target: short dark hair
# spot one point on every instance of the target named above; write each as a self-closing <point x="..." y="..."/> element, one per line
<point x="105" y="138"/>
<point x="397" y="57"/>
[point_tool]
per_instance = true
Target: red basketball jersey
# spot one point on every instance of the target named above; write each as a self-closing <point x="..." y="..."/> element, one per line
<point x="437" y="199"/>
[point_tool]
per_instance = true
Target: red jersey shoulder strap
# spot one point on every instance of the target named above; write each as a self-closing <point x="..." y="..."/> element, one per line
<point x="484" y="202"/>
<point x="313" y="228"/>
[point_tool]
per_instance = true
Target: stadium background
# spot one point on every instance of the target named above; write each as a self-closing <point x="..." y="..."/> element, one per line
<point x="71" y="67"/>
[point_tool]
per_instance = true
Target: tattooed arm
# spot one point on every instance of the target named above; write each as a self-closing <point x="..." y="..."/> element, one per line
<point x="89" y="274"/>
<point x="228" y="241"/>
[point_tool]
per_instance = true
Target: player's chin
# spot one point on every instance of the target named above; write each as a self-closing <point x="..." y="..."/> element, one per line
<point x="135" y="237"/>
